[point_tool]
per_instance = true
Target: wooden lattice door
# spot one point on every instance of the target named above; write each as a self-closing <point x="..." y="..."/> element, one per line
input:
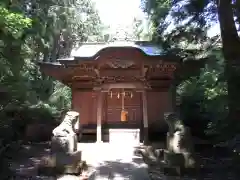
<point x="132" y="104"/>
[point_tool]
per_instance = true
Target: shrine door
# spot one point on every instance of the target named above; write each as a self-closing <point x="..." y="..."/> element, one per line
<point x="131" y="103"/>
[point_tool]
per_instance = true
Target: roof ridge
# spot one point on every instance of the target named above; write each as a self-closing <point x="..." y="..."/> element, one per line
<point x="112" y="42"/>
<point x="91" y="49"/>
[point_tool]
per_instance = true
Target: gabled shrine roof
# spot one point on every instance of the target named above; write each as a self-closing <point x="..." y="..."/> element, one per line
<point x="91" y="49"/>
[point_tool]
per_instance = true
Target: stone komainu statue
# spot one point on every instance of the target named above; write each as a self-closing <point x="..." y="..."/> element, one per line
<point x="64" y="153"/>
<point x="65" y="133"/>
<point x="69" y="125"/>
<point x="179" y="140"/>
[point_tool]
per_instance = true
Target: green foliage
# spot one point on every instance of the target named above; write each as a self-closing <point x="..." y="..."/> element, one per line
<point x="13" y="23"/>
<point x="61" y="96"/>
<point x="41" y="31"/>
<point x="181" y="28"/>
<point x="204" y="99"/>
<point x="30" y="33"/>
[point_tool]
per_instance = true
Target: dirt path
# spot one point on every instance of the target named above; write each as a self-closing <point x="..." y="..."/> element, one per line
<point x="111" y="162"/>
<point x="114" y="161"/>
<point x="107" y="161"/>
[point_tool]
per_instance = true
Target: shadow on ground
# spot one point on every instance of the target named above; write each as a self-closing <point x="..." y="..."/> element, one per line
<point x="23" y="164"/>
<point x="214" y="165"/>
<point x="134" y="170"/>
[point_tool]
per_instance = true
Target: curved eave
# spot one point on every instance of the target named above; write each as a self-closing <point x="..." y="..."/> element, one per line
<point x="55" y="70"/>
<point x="91" y="49"/>
<point x="99" y="51"/>
<point x="94" y="59"/>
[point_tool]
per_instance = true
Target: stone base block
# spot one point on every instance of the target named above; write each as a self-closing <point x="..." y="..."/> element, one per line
<point x="64" y="144"/>
<point x="60" y="163"/>
<point x="69" y="162"/>
<point x="173" y="159"/>
<point x="124" y="136"/>
<point x="172" y="171"/>
<point x="178" y="163"/>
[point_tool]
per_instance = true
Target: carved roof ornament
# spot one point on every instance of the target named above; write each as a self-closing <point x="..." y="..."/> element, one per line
<point x="120" y="63"/>
<point x="97" y="72"/>
<point x="145" y="70"/>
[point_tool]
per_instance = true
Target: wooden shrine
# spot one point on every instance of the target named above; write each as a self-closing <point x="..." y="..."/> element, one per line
<point x="119" y="85"/>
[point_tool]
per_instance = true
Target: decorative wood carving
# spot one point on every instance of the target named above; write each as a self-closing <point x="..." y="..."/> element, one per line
<point x="145" y="70"/>
<point x="86" y="67"/>
<point x="123" y="78"/>
<point x="81" y="72"/>
<point x="82" y="66"/>
<point x="83" y="78"/>
<point x="150" y="76"/>
<point x="119" y="72"/>
<point x="164" y="68"/>
<point x="98" y="82"/>
<point x="120" y="63"/>
<point x="97" y="72"/>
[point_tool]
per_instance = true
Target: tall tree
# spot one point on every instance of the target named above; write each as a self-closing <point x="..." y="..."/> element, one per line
<point x="33" y="31"/>
<point x="192" y="19"/>
<point x="230" y="48"/>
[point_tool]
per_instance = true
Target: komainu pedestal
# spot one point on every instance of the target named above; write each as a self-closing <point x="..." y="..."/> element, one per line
<point x="180" y="149"/>
<point x="64" y="155"/>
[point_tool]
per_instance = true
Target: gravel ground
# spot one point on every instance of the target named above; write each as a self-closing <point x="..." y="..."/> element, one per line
<point x="101" y="157"/>
<point x="24" y="162"/>
<point x="216" y="168"/>
<point x="156" y="173"/>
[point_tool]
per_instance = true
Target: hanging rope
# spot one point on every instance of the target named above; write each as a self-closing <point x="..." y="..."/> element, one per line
<point x="123" y="95"/>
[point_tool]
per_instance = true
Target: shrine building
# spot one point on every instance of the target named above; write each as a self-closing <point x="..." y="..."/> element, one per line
<point x="118" y="86"/>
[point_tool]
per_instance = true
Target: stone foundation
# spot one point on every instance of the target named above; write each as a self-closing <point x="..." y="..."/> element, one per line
<point x="123" y="136"/>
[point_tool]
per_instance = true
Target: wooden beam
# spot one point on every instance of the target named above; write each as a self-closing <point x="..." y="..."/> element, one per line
<point x="130" y="85"/>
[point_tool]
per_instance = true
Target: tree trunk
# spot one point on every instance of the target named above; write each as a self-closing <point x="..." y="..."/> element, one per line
<point x="236" y="7"/>
<point x="231" y="53"/>
<point x="55" y="48"/>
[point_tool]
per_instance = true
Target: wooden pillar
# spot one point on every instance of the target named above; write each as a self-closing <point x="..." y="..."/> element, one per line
<point x="99" y="116"/>
<point x="145" y="117"/>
